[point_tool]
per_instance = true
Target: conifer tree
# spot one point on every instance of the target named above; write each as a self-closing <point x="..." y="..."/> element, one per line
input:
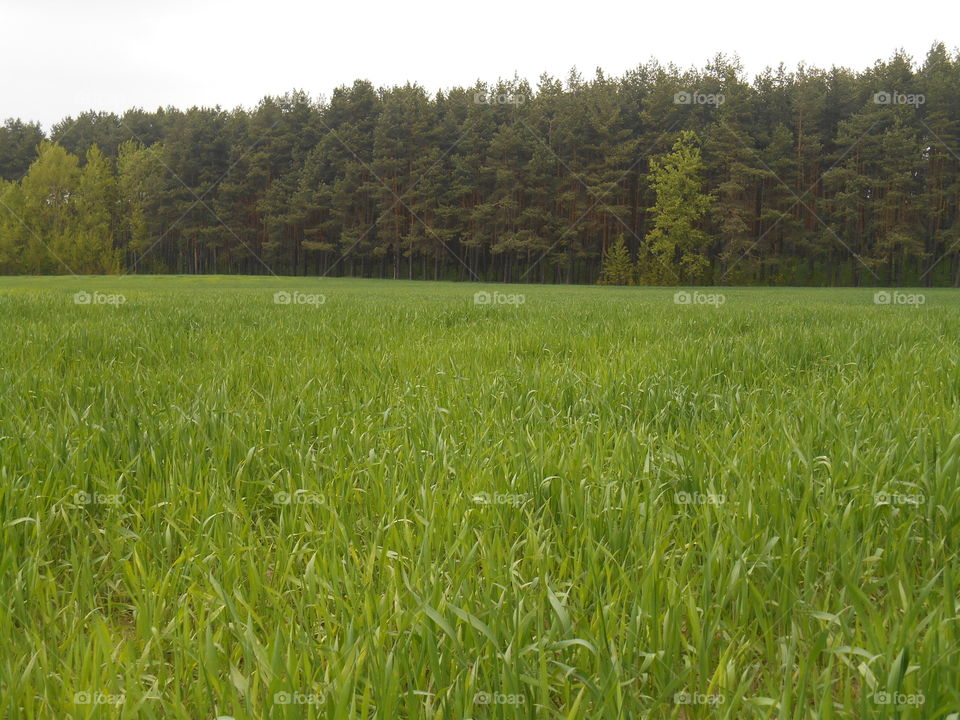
<point x="618" y="268"/>
<point x="677" y="244"/>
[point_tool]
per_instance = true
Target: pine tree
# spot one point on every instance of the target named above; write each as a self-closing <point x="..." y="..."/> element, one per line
<point x="18" y="148"/>
<point x="676" y="247"/>
<point x="618" y="268"/>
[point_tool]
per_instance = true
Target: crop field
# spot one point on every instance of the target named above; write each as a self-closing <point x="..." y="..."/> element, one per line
<point x="298" y="498"/>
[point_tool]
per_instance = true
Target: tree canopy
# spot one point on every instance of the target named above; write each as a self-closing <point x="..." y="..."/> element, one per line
<point x="809" y="176"/>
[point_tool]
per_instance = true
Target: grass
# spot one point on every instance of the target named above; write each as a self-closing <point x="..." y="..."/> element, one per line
<point x="400" y="504"/>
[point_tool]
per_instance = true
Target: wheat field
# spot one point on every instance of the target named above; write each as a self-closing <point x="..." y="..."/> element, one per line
<point x="299" y="498"/>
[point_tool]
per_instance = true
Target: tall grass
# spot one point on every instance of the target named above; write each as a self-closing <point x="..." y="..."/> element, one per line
<point x="401" y="504"/>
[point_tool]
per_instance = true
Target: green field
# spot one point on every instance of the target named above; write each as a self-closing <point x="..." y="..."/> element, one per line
<point x="398" y="503"/>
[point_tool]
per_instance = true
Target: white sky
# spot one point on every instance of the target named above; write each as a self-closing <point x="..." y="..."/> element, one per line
<point x="60" y="57"/>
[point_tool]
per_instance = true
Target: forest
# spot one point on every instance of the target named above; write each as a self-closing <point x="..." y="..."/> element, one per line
<point x="802" y="176"/>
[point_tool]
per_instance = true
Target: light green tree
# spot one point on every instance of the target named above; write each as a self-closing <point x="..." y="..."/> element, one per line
<point x="677" y="244"/>
<point x="618" y="268"/>
<point x="92" y="248"/>
<point x="12" y="231"/>
<point x="140" y="186"/>
<point x="50" y="210"/>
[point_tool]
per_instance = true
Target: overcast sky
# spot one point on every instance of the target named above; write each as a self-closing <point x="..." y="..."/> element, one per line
<point x="61" y="57"/>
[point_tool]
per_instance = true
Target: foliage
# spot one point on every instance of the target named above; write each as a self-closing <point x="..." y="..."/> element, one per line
<point x="676" y="243"/>
<point x="618" y="268"/>
<point x="813" y="181"/>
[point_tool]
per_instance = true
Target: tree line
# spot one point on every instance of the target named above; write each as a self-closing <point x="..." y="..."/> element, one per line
<point x="661" y="176"/>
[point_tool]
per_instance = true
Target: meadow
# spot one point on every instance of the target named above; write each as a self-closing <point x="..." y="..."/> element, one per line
<point x="362" y="499"/>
